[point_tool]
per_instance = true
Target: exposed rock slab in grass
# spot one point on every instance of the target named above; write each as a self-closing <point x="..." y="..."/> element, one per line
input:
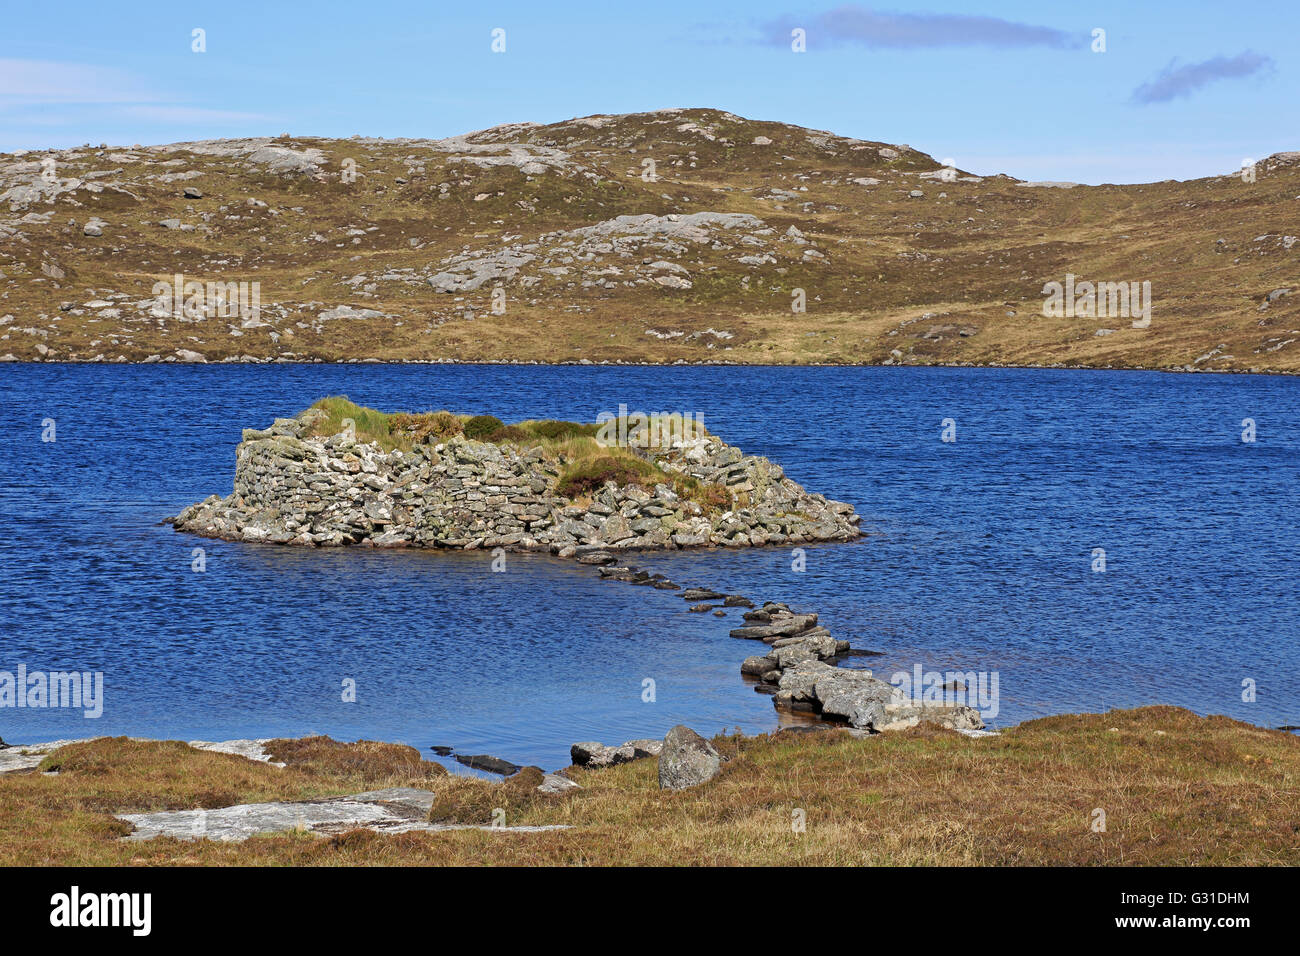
<point x="556" y="783"/>
<point x="252" y="749"/>
<point x="394" y="810"/>
<point x="29" y="756"/>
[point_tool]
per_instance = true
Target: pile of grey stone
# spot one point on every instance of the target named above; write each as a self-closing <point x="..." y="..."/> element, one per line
<point x="293" y="488"/>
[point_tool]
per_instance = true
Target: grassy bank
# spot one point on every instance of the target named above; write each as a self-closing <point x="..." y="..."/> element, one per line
<point x="404" y="430"/>
<point x="1175" y="789"/>
<point x="584" y="456"/>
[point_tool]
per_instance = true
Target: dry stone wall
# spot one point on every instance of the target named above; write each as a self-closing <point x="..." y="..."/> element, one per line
<point x="290" y="488"/>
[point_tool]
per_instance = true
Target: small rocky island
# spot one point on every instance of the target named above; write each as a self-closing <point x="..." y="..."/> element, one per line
<point x="341" y="474"/>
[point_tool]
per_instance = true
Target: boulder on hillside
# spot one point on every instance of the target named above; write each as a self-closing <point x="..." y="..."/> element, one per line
<point x="687" y="760"/>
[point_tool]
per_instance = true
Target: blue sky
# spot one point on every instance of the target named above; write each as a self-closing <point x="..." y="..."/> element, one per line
<point x="1183" y="89"/>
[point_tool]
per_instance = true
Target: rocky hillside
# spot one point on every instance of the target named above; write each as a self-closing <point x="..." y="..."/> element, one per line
<point x="672" y="236"/>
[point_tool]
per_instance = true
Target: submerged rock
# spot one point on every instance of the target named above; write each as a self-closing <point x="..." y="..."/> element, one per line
<point x="701" y="594"/>
<point x="489" y="763"/>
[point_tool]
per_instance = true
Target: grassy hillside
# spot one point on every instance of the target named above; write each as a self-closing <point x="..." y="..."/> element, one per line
<point x="505" y="245"/>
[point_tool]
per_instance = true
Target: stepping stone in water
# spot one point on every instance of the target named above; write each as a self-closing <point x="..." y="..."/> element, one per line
<point x="489" y="763"/>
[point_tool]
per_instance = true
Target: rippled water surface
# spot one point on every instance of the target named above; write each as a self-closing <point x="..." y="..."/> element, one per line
<point x="979" y="555"/>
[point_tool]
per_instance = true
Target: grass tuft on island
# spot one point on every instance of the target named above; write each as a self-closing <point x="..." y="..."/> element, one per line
<point x="1176" y="789"/>
<point x="585" y="462"/>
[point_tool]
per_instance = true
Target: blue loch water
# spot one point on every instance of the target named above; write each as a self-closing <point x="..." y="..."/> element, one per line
<point x="979" y="555"/>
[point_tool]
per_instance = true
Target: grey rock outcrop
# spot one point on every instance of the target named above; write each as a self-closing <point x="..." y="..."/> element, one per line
<point x="862" y="701"/>
<point x="591" y="753"/>
<point x="797" y="668"/>
<point x="625" y="250"/>
<point x="902" y="714"/>
<point x="794" y="639"/>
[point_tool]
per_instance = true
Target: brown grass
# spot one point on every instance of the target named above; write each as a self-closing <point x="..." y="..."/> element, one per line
<point x="471" y="800"/>
<point x="425" y="428"/>
<point x="590" y="475"/>
<point x="1176" y="789"/>
<point x="327" y="758"/>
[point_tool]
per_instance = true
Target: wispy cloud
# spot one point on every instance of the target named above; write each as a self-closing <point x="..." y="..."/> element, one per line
<point x="871" y="28"/>
<point x="55" y="93"/>
<point x="192" y="114"/>
<point x="1175" y="81"/>
<point x="51" y="81"/>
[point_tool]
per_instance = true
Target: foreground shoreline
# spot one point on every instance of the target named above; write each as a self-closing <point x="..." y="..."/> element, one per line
<point x="1151" y="786"/>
